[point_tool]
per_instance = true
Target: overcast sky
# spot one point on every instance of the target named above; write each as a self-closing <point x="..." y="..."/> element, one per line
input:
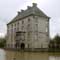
<point x="9" y="8"/>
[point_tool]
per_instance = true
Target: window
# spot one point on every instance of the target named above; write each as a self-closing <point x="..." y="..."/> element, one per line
<point x="46" y="29"/>
<point x="36" y="38"/>
<point x="18" y="23"/>
<point x="11" y="45"/>
<point x="17" y="28"/>
<point x="15" y="25"/>
<point x="28" y="25"/>
<point x="36" y="35"/>
<point x="8" y="45"/>
<point x="14" y="29"/>
<point x="22" y="22"/>
<point x="36" y="27"/>
<point x="12" y="26"/>
<point x="22" y="27"/>
<point x="35" y="18"/>
<point x="29" y="34"/>
<point x="8" y="33"/>
<point x="29" y="20"/>
<point x="22" y="36"/>
<point x="47" y="24"/>
<point x="11" y="37"/>
<point x="41" y="45"/>
<point x="11" y="30"/>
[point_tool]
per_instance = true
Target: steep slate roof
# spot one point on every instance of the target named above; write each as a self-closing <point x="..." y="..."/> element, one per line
<point x="34" y="10"/>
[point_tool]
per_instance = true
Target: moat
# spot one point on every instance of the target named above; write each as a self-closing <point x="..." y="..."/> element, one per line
<point x="20" y="55"/>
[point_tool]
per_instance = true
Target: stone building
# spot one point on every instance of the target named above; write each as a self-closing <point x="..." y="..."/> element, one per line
<point x="29" y="29"/>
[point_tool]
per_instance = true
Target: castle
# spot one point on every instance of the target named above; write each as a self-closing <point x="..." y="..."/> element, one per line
<point x="29" y="29"/>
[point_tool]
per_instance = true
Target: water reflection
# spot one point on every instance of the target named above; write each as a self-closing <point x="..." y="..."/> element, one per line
<point x="9" y="55"/>
<point x="54" y="58"/>
<point x="2" y="54"/>
<point x="27" y="55"/>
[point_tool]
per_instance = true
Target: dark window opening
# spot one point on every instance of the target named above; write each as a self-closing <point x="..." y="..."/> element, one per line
<point x="28" y="20"/>
<point x="22" y="45"/>
<point x="22" y="22"/>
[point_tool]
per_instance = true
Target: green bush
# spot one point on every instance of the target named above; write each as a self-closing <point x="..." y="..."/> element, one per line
<point x="2" y="42"/>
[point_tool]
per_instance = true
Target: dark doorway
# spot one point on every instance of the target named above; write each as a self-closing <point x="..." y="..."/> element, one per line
<point x="22" y="45"/>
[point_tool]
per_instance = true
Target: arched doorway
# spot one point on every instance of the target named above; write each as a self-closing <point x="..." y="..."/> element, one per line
<point x="22" y="45"/>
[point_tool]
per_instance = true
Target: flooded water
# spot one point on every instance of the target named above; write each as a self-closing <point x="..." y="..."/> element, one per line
<point x="2" y="54"/>
<point x="16" y="55"/>
<point x="54" y="58"/>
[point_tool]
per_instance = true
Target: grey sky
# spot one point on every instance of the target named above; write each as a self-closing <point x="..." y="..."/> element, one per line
<point x="9" y="8"/>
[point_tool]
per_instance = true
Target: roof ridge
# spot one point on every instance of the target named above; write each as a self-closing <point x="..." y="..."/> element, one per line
<point x="30" y="10"/>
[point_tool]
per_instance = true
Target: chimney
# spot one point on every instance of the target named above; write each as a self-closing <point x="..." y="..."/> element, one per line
<point x="22" y="10"/>
<point x="28" y="7"/>
<point x="34" y="4"/>
<point x="18" y="13"/>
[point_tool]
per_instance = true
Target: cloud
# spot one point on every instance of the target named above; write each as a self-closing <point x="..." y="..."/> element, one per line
<point x="2" y="34"/>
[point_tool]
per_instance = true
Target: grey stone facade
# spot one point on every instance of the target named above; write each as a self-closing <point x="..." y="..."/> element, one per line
<point x="29" y="29"/>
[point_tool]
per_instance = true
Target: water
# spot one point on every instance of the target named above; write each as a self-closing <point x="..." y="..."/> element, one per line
<point x="2" y="54"/>
<point x="11" y="55"/>
<point x="54" y="58"/>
